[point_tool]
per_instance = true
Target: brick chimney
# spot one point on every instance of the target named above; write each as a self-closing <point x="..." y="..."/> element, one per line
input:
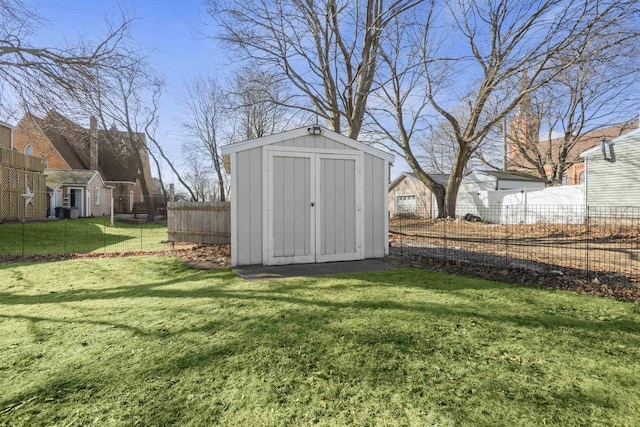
<point x="93" y="143"/>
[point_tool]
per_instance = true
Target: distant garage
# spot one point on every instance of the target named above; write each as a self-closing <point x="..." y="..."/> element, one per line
<point x="307" y="195"/>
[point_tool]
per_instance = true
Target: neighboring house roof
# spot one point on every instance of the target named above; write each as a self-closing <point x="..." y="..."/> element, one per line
<point x="586" y="141"/>
<point x="440" y="178"/>
<point x="57" y="178"/>
<point x="512" y="176"/>
<point x="63" y="135"/>
<point x="115" y="162"/>
<point x="7" y="125"/>
<point x="591" y="151"/>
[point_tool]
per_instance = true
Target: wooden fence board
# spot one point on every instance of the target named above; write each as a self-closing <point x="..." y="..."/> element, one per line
<point x="199" y="222"/>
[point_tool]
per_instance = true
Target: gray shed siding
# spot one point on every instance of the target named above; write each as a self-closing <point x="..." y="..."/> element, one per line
<point x="248" y="214"/>
<point x="617" y="182"/>
<point x="312" y="141"/>
<point x="375" y="194"/>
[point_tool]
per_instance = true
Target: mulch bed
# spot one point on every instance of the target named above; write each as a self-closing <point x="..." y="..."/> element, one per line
<point x="196" y="256"/>
<point x="521" y="276"/>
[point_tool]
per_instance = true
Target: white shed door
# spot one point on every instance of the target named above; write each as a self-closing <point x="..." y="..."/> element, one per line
<point x="313" y="207"/>
<point x="291" y="216"/>
<point x="338" y="210"/>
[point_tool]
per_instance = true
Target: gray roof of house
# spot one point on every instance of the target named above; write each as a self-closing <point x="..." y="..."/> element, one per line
<point x="440" y="178"/>
<point x="56" y="178"/>
<point x="513" y="176"/>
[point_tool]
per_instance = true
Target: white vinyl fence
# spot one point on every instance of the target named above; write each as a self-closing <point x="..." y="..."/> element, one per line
<point x="565" y="204"/>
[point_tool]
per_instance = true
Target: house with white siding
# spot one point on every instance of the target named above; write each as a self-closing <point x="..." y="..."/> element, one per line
<point x="307" y="195"/>
<point x="613" y="172"/>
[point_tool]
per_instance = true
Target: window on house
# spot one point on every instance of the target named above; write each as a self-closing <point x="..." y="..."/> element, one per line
<point x="97" y="193"/>
<point x="406" y="204"/>
<point x="565" y="179"/>
<point x="581" y="178"/>
<point x="28" y="150"/>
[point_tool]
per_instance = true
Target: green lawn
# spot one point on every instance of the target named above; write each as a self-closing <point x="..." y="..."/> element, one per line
<point x="80" y="236"/>
<point x="147" y="341"/>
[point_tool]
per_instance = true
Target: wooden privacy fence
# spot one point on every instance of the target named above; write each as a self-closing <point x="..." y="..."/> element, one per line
<point x="199" y="222"/>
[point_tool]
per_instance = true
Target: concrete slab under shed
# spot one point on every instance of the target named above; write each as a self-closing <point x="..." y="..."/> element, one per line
<point x="266" y="272"/>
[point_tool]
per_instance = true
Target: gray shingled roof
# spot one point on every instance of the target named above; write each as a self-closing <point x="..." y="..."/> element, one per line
<point x="513" y="176"/>
<point x="440" y="178"/>
<point x="56" y="177"/>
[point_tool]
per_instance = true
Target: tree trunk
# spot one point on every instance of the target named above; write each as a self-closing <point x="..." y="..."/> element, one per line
<point x="220" y="183"/>
<point x="455" y="179"/>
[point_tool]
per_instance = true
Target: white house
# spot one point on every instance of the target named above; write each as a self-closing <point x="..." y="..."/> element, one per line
<point x="83" y="190"/>
<point x="307" y="195"/>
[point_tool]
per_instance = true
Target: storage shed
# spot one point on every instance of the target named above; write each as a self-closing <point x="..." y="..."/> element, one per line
<point x="307" y="195"/>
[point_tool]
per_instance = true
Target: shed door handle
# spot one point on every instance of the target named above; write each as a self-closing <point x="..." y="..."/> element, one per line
<point x="313" y="204"/>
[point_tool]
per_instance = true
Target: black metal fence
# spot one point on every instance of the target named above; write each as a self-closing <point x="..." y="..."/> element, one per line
<point x="84" y="235"/>
<point x="590" y="243"/>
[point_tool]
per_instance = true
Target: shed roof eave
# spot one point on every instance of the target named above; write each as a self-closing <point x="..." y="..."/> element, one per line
<point x="295" y="133"/>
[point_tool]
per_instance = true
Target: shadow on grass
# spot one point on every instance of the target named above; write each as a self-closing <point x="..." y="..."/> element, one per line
<point x="291" y="292"/>
<point x="59" y="237"/>
<point x="288" y="331"/>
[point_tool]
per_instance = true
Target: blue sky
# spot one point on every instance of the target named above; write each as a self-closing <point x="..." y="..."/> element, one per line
<point x="176" y="35"/>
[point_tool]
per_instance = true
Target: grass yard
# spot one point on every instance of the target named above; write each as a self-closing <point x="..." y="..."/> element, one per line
<point x="148" y="341"/>
<point x="80" y="236"/>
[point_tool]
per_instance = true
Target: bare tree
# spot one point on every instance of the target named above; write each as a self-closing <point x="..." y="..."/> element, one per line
<point x="402" y="111"/>
<point x="489" y="44"/>
<point x="593" y="97"/>
<point x="199" y="178"/>
<point x="257" y="102"/>
<point x="119" y="99"/>
<point x="42" y="77"/>
<point x="398" y="110"/>
<point x="207" y="104"/>
<point x="150" y="128"/>
<point x="328" y="50"/>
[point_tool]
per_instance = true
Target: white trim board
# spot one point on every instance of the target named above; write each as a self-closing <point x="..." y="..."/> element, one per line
<point x="296" y="133"/>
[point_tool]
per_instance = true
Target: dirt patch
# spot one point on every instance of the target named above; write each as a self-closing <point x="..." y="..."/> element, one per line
<point x="205" y="256"/>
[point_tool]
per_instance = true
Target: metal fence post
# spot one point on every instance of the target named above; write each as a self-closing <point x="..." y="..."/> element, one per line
<point x="23" y="237"/>
<point x="588" y="238"/>
<point x="506" y="238"/>
<point x="65" y="236"/>
<point x="444" y="239"/>
<point x="104" y="235"/>
<point x="401" y="235"/>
